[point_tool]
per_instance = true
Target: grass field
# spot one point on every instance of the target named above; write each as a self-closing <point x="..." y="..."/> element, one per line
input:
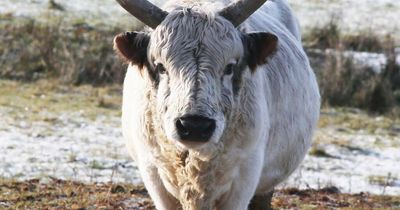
<point x="60" y="95"/>
<point x="73" y="133"/>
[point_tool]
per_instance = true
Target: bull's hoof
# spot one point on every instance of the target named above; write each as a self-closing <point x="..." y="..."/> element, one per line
<point x="261" y="202"/>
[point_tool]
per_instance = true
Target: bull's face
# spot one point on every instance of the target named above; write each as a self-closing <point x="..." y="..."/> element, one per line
<point x="195" y="64"/>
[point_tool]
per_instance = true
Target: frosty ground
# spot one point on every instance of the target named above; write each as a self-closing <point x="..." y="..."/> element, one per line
<point x="52" y="130"/>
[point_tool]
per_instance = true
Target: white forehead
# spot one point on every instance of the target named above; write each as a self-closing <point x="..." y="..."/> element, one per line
<point x="195" y="33"/>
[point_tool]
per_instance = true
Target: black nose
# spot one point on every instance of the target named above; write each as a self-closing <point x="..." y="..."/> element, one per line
<point x="195" y="128"/>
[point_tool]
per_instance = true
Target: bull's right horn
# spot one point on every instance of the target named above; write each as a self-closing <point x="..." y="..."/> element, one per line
<point x="145" y="11"/>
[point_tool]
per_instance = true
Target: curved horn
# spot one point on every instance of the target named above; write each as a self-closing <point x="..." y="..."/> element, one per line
<point x="145" y="11"/>
<point x="237" y="12"/>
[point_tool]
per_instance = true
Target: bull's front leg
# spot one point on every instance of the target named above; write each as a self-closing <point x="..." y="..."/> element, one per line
<point x="261" y="202"/>
<point x="162" y="199"/>
<point x="244" y="186"/>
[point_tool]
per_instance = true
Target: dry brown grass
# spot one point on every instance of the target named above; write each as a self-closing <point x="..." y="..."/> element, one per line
<point x="75" y="52"/>
<point x="44" y="100"/>
<point x="331" y="198"/>
<point x="345" y="83"/>
<point x="342" y="84"/>
<point x="59" y="194"/>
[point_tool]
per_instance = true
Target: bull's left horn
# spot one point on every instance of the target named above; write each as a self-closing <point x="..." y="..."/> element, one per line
<point x="237" y="12"/>
<point x="145" y="11"/>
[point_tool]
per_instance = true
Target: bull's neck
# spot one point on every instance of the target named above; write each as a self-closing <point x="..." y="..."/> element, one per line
<point x="187" y="171"/>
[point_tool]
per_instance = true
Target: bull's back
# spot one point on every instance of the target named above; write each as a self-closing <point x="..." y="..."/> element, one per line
<point x="277" y="11"/>
<point x="291" y="92"/>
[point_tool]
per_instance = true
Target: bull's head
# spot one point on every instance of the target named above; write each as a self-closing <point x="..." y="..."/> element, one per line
<point x="196" y="61"/>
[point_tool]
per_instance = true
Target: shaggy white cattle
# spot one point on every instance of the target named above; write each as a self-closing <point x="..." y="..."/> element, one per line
<point x="219" y="102"/>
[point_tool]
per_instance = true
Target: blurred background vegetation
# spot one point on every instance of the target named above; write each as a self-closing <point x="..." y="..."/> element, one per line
<point x="75" y="53"/>
<point x="79" y="51"/>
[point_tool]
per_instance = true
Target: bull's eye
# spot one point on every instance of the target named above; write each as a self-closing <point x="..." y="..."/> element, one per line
<point x="229" y="69"/>
<point x="160" y="69"/>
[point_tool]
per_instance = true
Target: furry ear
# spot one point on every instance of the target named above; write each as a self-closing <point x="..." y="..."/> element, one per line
<point x="132" y="47"/>
<point x="259" y="46"/>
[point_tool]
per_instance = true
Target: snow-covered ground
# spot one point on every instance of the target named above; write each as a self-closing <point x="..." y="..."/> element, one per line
<point x="62" y="132"/>
<point x="376" y="62"/>
<point x="353" y="159"/>
<point x="78" y="140"/>
<point x="376" y="16"/>
<point x="78" y="149"/>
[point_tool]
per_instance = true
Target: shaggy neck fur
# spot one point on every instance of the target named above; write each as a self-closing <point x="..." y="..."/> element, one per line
<point x="183" y="170"/>
<point x="191" y="175"/>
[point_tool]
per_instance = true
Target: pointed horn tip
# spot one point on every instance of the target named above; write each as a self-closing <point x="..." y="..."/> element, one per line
<point x="144" y="11"/>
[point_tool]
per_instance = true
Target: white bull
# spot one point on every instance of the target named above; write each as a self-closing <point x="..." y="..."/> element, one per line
<point x="219" y="104"/>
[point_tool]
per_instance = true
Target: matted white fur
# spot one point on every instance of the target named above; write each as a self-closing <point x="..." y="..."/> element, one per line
<point x="262" y="133"/>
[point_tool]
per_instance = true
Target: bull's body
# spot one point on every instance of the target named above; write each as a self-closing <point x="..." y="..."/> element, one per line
<point x="269" y="134"/>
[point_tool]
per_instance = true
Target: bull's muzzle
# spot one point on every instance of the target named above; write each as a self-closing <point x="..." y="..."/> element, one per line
<point x="195" y="128"/>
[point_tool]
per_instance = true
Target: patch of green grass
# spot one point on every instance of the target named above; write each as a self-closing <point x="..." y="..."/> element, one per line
<point x="319" y="152"/>
<point x="45" y="101"/>
<point x="355" y="120"/>
<point x="388" y="180"/>
<point x="97" y="165"/>
<point x="345" y="123"/>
